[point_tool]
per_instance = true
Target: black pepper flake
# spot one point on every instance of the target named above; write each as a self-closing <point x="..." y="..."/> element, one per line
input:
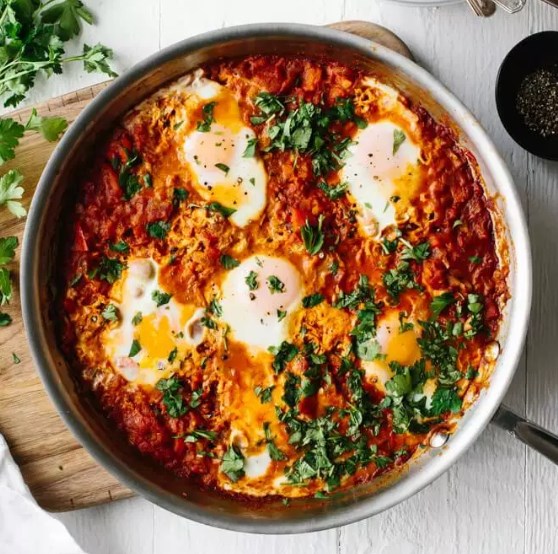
<point x="537" y="101"/>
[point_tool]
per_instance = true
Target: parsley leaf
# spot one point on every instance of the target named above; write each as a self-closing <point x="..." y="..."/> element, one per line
<point x="440" y="303"/>
<point x="224" y="168"/>
<point x="312" y="300"/>
<point x="158" y="229"/>
<point x="283" y="355"/>
<point x="274" y="452"/>
<point x="108" y="269"/>
<point x="252" y="280"/>
<point x="274" y="284"/>
<point x="172" y="396"/>
<point x="398" y="139"/>
<point x="110" y="313"/>
<point x="50" y="127"/>
<point x="445" y="400"/>
<point x="232" y="464"/>
<point x="119" y="246"/>
<point x="160" y="298"/>
<point x="137" y="319"/>
<point x="207" y="112"/>
<point x="220" y="209"/>
<point x="135" y="348"/>
<point x="10" y="133"/>
<point x="333" y="192"/>
<point x="228" y="262"/>
<point x="250" y="150"/>
<point x="418" y="253"/>
<point x="5" y="319"/>
<point x="7" y="249"/>
<point x="11" y="192"/>
<point x="264" y="394"/>
<point x="313" y="236"/>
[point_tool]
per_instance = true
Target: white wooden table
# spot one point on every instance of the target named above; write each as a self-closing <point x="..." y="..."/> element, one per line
<point x="500" y="498"/>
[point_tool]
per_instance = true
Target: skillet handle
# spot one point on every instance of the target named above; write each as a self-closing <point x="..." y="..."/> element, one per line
<point x="541" y="440"/>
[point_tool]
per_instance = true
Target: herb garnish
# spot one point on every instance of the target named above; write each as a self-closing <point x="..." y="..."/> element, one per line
<point x="250" y="150"/>
<point x="283" y="355"/>
<point x="158" y="229"/>
<point x="108" y="269"/>
<point x="274" y="284"/>
<point x="232" y="463"/>
<point x="224" y="168"/>
<point x="110" y="313"/>
<point x="228" y="262"/>
<point x="274" y="452"/>
<point x="207" y="112"/>
<point x="220" y="209"/>
<point x="137" y="319"/>
<point x="440" y="303"/>
<point x="333" y="192"/>
<point x="312" y="300"/>
<point x="160" y="298"/>
<point x="313" y="236"/>
<point x="119" y="246"/>
<point x="398" y="139"/>
<point x="172" y="396"/>
<point x="264" y="394"/>
<point x="252" y="280"/>
<point x="135" y="348"/>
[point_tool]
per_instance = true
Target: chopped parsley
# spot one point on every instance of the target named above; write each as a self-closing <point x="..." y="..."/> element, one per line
<point x="232" y="463"/>
<point x="179" y="195"/>
<point x="119" y="246"/>
<point x="172" y="355"/>
<point x="313" y="236"/>
<point x="418" y="253"/>
<point x="334" y="267"/>
<point x="398" y="139"/>
<point x="283" y="355"/>
<point x="475" y="259"/>
<point x="108" y="269"/>
<point x="399" y="280"/>
<point x="198" y="434"/>
<point x="15" y="358"/>
<point x="281" y="315"/>
<point x="274" y="452"/>
<point x="137" y="319"/>
<point x="228" y="262"/>
<point x="250" y="150"/>
<point x="474" y="307"/>
<point x="264" y="394"/>
<point x="252" y="280"/>
<point x="216" y="207"/>
<point x="158" y="229"/>
<point x="224" y="168"/>
<point x="275" y="285"/>
<point x="172" y="396"/>
<point x="135" y="348"/>
<point x="160" y="298"/>
<point x="305" y="129"/>
<point x="333" y="192"/>
<point x="312" y="300"/>
<point x="215" y="308"/>
<point x="440" y="303"/>
<point x="207" y="112"/>
<point x="445" y="400"/>
<point x="110" y="312"/>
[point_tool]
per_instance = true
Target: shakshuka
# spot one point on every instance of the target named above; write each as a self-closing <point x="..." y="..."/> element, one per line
<point x="281" y="276"/>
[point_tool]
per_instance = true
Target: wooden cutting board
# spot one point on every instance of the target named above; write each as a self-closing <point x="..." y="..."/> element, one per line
<point x="60" y="473"/>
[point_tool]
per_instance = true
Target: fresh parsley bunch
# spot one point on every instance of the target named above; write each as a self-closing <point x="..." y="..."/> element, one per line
<point x="33" y="34"/>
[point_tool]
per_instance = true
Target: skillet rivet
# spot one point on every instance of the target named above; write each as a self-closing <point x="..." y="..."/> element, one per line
<point x="438" y="439"/>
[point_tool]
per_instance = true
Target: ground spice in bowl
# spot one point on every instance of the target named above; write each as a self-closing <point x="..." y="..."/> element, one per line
<point x="537" y="101"/>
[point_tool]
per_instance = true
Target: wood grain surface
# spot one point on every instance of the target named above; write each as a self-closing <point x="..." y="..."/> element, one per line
<point x="59" y="472"/>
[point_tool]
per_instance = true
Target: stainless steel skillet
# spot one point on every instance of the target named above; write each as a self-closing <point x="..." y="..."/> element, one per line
<point x="39" y="257"/>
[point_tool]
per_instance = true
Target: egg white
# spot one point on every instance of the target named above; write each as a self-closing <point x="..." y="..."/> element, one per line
<point x="252" y="315"/>
<point x="162" y="328"/>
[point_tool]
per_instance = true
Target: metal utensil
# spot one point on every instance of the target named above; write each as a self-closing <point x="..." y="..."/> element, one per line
<point x="482" y="8"/>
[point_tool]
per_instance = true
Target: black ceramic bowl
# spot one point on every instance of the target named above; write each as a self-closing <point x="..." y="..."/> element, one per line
<point x="538" y="51"/>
